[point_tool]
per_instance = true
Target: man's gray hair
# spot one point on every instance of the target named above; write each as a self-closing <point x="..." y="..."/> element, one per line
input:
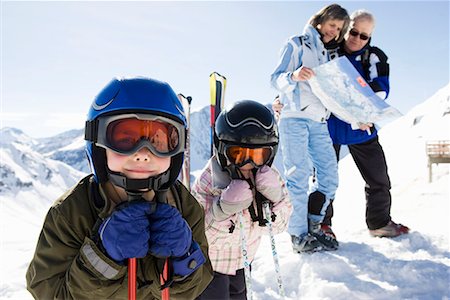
<point x="362" y="14"/>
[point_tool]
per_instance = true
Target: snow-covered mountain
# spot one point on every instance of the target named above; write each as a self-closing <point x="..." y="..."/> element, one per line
<point x="29" y="183"/>
<point x="25" y="173"/>
<point x="414" y="266"/>
<point x="67" y="147"/>
<point x="406" y="137"/>
<point x="200" y="136"/>
<point x="23" y="168"/>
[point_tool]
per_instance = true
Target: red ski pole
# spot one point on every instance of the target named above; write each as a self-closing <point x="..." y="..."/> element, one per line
<point x="164" y="277"/>
<point x="132" y="278"/>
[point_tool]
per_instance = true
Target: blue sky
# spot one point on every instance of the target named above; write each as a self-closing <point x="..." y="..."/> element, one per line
<point x="56" y="56"/>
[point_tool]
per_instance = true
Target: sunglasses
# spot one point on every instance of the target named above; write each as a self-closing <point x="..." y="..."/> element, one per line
<point x="241" y="156"/>
<point x="362" y="36"/>
<point x="126" y="134"/>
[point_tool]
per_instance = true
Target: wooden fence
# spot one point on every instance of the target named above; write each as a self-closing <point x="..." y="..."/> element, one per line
<point x="438" y="152"/>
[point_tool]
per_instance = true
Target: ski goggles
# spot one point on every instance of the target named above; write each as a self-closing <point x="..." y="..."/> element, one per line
<point x="355" y="33"/>
<point x="126" y="134"/>
<point x="241" y="156"/>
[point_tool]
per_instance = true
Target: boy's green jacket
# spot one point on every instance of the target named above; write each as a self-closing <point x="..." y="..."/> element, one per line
<point x="67" y="263"/>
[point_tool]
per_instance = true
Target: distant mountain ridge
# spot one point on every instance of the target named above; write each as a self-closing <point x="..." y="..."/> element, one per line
<point x="69" y="147"/>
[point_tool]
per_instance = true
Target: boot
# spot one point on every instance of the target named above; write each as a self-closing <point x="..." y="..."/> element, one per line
<point x="328" y="241"/>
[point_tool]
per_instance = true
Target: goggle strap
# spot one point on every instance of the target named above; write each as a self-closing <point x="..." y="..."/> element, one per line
<point x="91" y="130"/>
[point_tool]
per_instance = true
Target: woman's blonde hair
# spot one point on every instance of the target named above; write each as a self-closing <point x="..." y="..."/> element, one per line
<point x="332" y="12"/>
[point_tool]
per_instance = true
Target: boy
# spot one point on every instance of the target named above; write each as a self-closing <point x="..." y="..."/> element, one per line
<point x="130" y="207"/>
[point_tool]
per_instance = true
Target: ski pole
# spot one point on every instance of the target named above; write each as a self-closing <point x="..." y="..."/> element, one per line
<point x="164" y="277"/>
<point x="248" y="275"/>
<point x="132" y="262"/>
<point x="132" y="278"/>
<point x="274" y="248"/>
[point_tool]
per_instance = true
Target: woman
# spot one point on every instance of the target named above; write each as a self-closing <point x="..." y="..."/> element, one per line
<point x="304" y="136"/>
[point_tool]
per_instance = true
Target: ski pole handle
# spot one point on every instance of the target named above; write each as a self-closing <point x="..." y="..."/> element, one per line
<point x="132" y="278"/>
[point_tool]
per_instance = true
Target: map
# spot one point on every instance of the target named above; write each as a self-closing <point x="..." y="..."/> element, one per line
<point x="343" y="91"/>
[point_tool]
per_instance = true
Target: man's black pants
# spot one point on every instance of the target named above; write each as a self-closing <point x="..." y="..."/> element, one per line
<point x="371" y="162"/>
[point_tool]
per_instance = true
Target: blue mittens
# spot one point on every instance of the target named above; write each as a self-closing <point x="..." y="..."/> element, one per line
<point x="126" y="232"/>
<point x="170" y="234"/>
<point x="140" y="227"/>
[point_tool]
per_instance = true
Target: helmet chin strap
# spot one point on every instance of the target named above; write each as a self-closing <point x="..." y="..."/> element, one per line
<point x="136" y="187"/>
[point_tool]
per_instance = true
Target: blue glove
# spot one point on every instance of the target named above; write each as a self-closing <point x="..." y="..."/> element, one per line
<point x="126" y="232"/>
<point x="170" y="234"/>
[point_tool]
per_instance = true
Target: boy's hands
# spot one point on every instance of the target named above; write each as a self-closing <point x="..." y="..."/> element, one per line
<point x="170" y="235"/>
<point x="267" y="183"/>
<point x="235" y="198"/>
<point x="126" y="232"/>
<point x="137" y="228"/>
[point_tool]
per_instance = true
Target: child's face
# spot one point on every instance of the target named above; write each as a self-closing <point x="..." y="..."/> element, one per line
<point x="139" y="165"/>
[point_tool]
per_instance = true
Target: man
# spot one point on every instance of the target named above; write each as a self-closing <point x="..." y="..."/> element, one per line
<point x="363" y="144"/>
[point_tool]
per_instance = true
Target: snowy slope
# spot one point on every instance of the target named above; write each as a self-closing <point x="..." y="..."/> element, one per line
<point x="29" y="183"/>
<point x="415" y="266"/>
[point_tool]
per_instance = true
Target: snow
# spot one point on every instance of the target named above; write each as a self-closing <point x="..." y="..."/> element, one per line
<point x="413" y="266"/>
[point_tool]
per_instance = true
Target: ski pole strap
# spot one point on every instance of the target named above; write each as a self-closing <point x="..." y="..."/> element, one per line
<point x="260" y="215"/>
<point x="259" y="206"/>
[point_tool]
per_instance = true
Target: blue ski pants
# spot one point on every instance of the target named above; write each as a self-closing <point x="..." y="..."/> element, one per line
<point x="305" y="144"/>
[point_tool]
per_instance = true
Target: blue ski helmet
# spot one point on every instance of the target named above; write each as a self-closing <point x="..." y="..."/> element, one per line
<point x="133" y="95"/>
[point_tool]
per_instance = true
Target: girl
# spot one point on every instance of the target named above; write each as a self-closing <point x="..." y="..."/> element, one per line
<point x="230" y="189"/>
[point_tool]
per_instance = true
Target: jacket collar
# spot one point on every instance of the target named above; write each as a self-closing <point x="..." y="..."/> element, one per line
<point x="313" y="36"/>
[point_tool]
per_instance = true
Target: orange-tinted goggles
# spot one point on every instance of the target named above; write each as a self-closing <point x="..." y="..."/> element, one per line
<point x="240" y="156"/>
<point x="129" y="133"/>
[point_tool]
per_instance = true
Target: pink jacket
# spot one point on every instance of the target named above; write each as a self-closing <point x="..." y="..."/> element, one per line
<point x="225" y="246"/>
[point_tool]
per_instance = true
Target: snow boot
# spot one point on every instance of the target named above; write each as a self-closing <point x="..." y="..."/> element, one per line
<point x="305" y="243"/>
<point x="327" y="230"/>
<point x="390" y="230"/>
<point x="328" y="241"/>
